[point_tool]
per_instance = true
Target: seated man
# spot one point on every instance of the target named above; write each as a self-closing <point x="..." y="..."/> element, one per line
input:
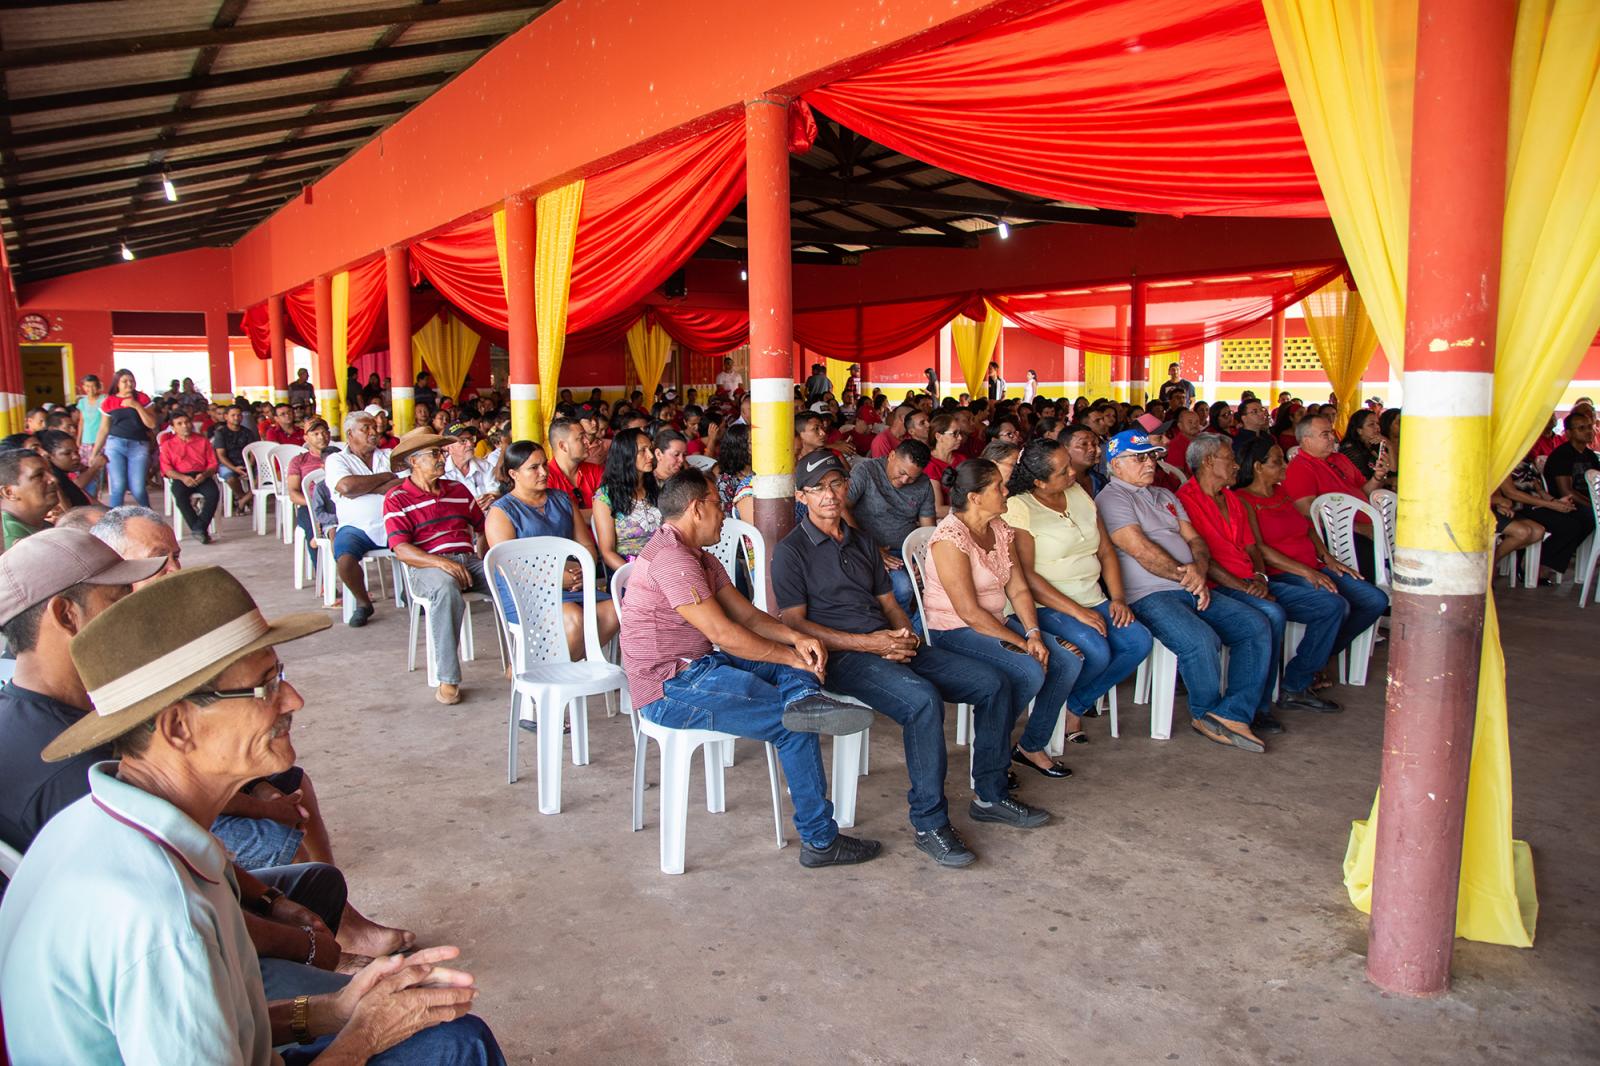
<point x="229" y="440"/>
<point x="433" y="524"/>
<point x="358" y="477"/>
<point x="890" y="497"/>
<point x="122" y="935"/>
<point x="764" y="682"/>
<point x="1319" y="468"/>
<point x="28" y="494"/>
<point x="1164" y="564"/>
<point x="831" y="585"/>
<point x="282" y="430"/>
<point x="60" y="450"/>
<point x="462" y="464"/>
<point x="190" y="462"/>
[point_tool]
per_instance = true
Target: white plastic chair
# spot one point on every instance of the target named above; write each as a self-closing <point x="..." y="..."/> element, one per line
<point x="321" y="546"/>
<point x="1156" y="683"/>
<point x="1589" y="551"/>
<point x="258" y="470"/>
<point x="416" y="612"/>
<point x="278" y="461"/>
<point x="1183" y="479"/>
<point x="1334" y="514"/>
<point x="735" y="536"/>
<point x="1388" y="505"/>
<point x="10" y="859"/>
<point x="179" y="527"/>
<point x="677" y="747"/>
<point x="543" y="672"/>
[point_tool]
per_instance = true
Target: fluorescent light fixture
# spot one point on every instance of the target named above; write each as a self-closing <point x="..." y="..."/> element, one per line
<point x="744" y="275"/>
<point x="1005" y="230"/>
<point x="170" y="189"/>
<point x="127" y="253"/>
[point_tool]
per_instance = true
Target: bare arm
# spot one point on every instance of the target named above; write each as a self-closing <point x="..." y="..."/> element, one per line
<point x="364" y="484"/>
<point x="497" y="527"/>
<point x="709" y="617"/>
<point x="605" y="532"/>
<point x="955" y="574"/>
<point x="896" y="644"/>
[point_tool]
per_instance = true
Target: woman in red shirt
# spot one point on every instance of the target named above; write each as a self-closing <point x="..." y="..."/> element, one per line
<point x="1296" y="559"/>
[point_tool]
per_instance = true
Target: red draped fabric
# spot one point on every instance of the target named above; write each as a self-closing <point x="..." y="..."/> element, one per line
<point x="368" y="311"/>
<point x="464" y="266"/>
<point x="706" y="330"/>
<point x="1163" y="106"/>
<point x="876" y="331"/>
<point x="1180" y="313"/>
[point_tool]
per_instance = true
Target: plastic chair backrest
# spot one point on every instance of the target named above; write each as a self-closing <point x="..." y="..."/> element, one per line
<point x="1592" y="477"/>
<point x="619" y="584"/>
<point x="726" y="551"/>
<point x="1388" y="505"/>
<point x="278" y="463"/>
<point x="308" y="486"/>
<point x="1183" y="479"/>
<point x="10" y="858"/>
<point x="915" y="554"/>
<point x="532" y="569"/>
<point x="258" y="463"/>
<point x="1334" y="516"/>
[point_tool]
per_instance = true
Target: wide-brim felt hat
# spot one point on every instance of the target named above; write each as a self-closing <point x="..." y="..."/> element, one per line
<point x="151" y="648"/>
<point x="415" y="441"/>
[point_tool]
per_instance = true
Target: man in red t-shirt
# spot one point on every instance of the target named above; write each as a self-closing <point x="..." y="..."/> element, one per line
<point x="568" y="472"/>
<point x="282" y="429"/>
<point x="1320" y="468"/>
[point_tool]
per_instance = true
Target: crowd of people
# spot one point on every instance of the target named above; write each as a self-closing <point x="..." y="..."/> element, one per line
<point x="176" y="855"/>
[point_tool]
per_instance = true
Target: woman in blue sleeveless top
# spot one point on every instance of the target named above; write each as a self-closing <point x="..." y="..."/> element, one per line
<point x="526" y="508"/>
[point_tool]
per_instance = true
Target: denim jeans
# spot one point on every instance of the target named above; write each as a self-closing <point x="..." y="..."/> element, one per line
<point x="914" y="694"/>
<point x="447" y="606"/>
<point x="127" y="463"/>
<point x="1367" y="604"/>
<point x="466" y="1041"/>
<point x="731" y="695"/>
<point x="1197" y="637"/>
<point x="321" y="889"/>
<point x="993" y="726"/>
<point x="1107" y="660"/>
<point x="900" y="585"/>
<point x="1320" y="612"/>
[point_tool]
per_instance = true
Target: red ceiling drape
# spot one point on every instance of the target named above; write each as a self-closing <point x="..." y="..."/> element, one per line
<point x="875" y="331"/>
<point x="707" y="330"/>
<point x="1163" y="106"/>
<point x="464" y="266"/>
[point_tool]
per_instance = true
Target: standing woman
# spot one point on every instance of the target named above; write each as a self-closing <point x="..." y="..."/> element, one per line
<point x="1031" y="388"/>
<point x="625" y="513"/>
<point x="994" y="384"/>
<point x="124" y="440"/>
<point x="527" y="509"/>
<point x="971" y="572"/>
<point x="1064" y="553"/>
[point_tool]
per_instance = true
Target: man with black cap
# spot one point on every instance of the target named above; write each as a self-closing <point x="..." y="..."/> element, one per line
<point x="122" y="937"/>
<point x="831" y="585"/>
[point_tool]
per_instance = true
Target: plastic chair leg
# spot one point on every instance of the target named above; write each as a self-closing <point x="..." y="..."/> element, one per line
<point x="727" y="753"/>
<point x="961" y="725"/>
<point x="716" y="791"/>
<point x="1360" y="656"/>
<point x="676" y="754"/>
<point x="1109" y="702"/>
<point x="1163" y="688"/>
<point x="549" y="719"/>
<point x="846" y="778"/>
<point x="866" y="750"/>
<point x="511" y="739"/>
<point x="641" y="744"/>
<point x="1141" y="681"/>
<point x="777" y="794"/>
<point x="1058" y="736"/>
<point x="578" y="712"/>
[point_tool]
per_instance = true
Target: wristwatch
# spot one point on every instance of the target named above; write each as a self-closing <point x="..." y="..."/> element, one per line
<point x="300" y="1020"/>
<point x="264" y="903"/>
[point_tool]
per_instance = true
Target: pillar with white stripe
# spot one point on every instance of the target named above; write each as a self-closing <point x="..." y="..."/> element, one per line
<point x="771" y="315"/>
<point x="1444" y="532"/>
<point x="522" y="337"/>
<point x="397" y="282"/>
<point x="328" y="383"/>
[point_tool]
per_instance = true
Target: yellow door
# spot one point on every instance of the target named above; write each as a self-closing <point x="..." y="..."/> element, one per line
<point x="1097" y="375"/>
<point x="44" y="374"/>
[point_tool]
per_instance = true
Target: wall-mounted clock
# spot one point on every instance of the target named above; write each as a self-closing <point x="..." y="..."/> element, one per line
<point x="33" y="327"/>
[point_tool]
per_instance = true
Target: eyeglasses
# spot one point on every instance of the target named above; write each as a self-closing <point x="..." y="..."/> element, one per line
<point x="1143" y="457"/>
<point x="265" y="691"/>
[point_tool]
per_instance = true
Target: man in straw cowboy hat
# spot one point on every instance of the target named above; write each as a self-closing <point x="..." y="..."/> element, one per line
<point x="122" y="937"/>
<point x="433" y="526"/>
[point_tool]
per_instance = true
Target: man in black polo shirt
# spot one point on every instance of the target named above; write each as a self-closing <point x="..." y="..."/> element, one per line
<point x="830" y="583"/>
<point x="229" y="440"/>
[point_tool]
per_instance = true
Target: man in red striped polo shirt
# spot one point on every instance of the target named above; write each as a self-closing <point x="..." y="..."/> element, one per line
<point x="433" y="525"/>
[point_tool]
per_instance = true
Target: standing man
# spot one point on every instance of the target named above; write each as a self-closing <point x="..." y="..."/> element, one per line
<point x="729" y="380"/>
<point x="229" y="440"/>
<point x="1177" y="390"/>
<point x="359" y="476"/>
<point x="89" y="415"/>
<point x="817" y="385"/>
<point x="301" y="391"/>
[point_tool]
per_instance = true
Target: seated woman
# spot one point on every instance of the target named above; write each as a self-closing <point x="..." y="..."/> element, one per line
<point x="1295" y="557"/>
<point x="317" y="451"/>
<point x="526" y="509"/>
<point x="1064" y="553"/>
<point x="1238" y="572"/>
<point x="625" y="514"/>
<point x="734" y="484"/>
<point x="970" y="574"/>
<point x="947" y="436"/>
<point x="1003" y="454"/>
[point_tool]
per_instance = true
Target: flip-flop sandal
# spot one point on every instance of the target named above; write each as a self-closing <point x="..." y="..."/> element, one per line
<point x="1077" y="736"/>
<point x="1227" y="737"/>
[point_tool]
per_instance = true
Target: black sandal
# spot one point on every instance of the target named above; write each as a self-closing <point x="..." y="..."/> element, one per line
<point x="1077" y="736"/>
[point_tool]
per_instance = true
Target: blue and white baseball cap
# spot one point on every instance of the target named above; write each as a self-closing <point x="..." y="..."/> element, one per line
<point x="1132" y="442"/>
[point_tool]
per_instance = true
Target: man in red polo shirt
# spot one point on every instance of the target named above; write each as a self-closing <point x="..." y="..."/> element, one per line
<point x="282" y="429"/>
<point x="433" y="525"/>
<point x="569" y="472"/>
<point x="1319" y="467"/>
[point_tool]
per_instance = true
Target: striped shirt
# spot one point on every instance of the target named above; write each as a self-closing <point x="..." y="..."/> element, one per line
<point x="440" y="522"/>
<point x="667" y="574"/>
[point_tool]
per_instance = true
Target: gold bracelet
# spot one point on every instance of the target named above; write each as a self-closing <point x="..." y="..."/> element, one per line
<point x="300" y="1020"/>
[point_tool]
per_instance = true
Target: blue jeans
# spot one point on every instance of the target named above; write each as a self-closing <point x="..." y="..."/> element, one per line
<point x="1320" y="612"/>
<point x="349" y="540"/>
<point x="1367" y="604"/>
<point x="914" y="694"/>
<point x="1197" y="637"/>
<point x="1107" y="660"/>
<point x="466" y="1041"/>
<point x="127" y="463"/>
<point x="900" y="585"/>
<point x="993" y="725"/>
<point x="732" y="695"/>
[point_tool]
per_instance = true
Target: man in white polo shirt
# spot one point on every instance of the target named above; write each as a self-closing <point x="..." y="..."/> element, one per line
<point x="358" y="479"/>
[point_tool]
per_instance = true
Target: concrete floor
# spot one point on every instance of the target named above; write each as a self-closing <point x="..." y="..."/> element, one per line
<point x="1184" y="906"/>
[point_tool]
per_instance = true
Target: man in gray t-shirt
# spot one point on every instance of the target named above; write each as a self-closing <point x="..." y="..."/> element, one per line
<point x="889" y="498"/>
<point x="1164" y="562"/>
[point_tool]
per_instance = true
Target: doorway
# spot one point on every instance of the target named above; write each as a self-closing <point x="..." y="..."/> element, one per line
<point x="46" y="374"/>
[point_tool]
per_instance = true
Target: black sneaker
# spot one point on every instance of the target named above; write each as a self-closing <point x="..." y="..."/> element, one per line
<point x="205" y="537"/>
<point x="844" y="851"/>
<point x="824" y="714"/>
<point x="946" y="847"/>
<point x="1008" y="811"/>
<point x="1267" y="722"/>
<point x="1306" y="700"/>
<point x="359" y="616"/>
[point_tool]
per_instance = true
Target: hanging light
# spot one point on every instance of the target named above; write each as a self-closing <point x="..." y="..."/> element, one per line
<point x="744" y="275"/>
<point x="127" y="253"/>
<point x="1005" y="230"/>
<point x="170" y="189"/>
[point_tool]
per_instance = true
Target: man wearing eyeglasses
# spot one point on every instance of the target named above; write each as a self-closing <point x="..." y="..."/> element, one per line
<point x="1164" y="561"/>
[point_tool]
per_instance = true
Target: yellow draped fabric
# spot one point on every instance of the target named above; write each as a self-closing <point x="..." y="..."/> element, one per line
<point x="651" y="348"/>
<point x="555" y="239"/>
<point x="446" y="345"/>
<point x="1342" y="332"/>
<point x="1549" y="311"/>
<point x="500" y="243"/>
<point x="975" y="343"/>
<point x="838" y="371"/>
<point x="341" y="340"/>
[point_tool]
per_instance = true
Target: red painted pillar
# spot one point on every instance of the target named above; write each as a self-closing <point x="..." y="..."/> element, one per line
<point x="402" y="396"/>
<point x="771" y="315"/>
<point x="218" y="358"/>
<point x="1276" y="384"/>
<point x="1121" y="361"/>
<point x="328" y="384"/>
<point x="1441" y="564"/>
<point x="1139" y="361"/>
<point x="522" y="335"/>
<point x="277" y="354"/>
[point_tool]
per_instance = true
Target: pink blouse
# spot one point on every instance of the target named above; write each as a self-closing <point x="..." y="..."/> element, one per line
<point x="990" y="571"/>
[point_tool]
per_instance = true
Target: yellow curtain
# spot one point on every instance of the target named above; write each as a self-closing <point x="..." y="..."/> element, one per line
<point x="1549" y="311"/>
<point x="651" y="348"/>
<point x="1342" y="332"/>
<point x="554" y="241"/>
<point x="341" y="340"/>
<point x="838" y="376"/>
<point x="500" y="242"/>
<point x="975" y="343"/>
<point x="446" y="345"/>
